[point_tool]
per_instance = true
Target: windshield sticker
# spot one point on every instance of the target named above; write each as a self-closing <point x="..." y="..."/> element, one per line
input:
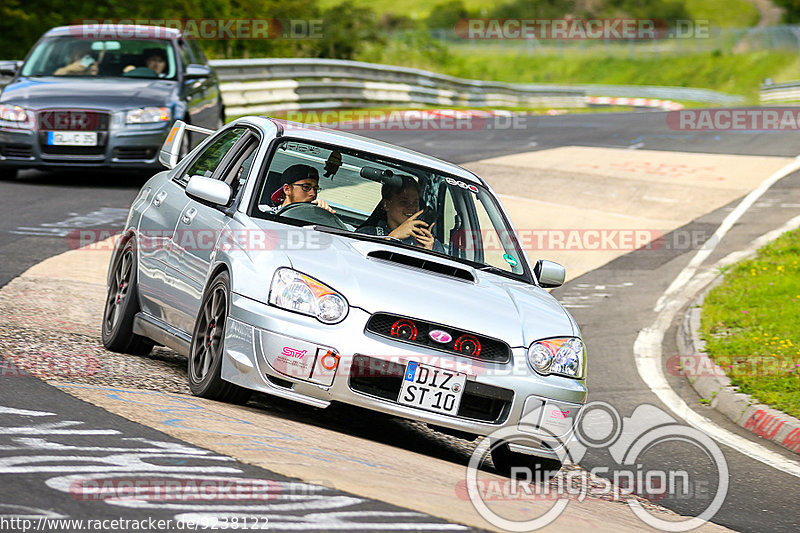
<point x="302" y="148"/>
<point x="461" y="184"/>
<point x="510" y="260"/>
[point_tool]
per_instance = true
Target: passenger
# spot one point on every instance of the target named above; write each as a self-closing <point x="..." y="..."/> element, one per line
<point x="80" y="61"/>
<point x="299" y="183"/>
<point x="155" y="64"/>
<point x="397" y="216"/>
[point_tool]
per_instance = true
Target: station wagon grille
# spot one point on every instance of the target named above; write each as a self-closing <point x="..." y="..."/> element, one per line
<point x="21" y="151"/>
<point x="463" y="343"/>
<point x="383" y="379"/>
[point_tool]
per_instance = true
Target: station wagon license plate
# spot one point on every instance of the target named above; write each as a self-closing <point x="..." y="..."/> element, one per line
<point x="431" y="388"/>
<point x="72" y="138"/>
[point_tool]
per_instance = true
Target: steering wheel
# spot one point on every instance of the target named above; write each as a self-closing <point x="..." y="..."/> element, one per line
<point x="313" y="214"/>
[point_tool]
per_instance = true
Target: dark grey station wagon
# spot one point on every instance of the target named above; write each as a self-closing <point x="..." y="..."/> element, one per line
<point x="103" y="96"/>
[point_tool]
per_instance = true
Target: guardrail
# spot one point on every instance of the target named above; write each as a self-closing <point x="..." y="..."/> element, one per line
<point x="781" y="92"/>
<point x="266" y="85"/>
<point x="258" y="86"/>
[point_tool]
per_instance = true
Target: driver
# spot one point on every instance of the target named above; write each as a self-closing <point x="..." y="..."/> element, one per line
<point x="80" y="61"/>
<point x="299" y="183"/>
<point x="396" y="216"/>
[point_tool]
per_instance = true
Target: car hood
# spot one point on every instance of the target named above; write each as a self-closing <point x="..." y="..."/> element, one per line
<point x="495" y="306"/>
<point x="94" y="93"/>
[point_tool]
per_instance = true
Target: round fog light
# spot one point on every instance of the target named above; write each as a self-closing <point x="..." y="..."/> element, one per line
<point x="331" y="308"/>
<point x="540" y="358"/>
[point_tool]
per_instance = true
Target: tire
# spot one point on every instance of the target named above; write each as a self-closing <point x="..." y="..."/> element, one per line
<point x="207" y="349"/>
<point x="541" y="467"/>
<point x="121" y="307"/>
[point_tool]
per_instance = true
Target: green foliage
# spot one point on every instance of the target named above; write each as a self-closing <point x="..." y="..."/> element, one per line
<point x="346" y="27"/>
<point x="751" y="322"/>
<point x="791" y="10"/>
<point x="446" y="15"/>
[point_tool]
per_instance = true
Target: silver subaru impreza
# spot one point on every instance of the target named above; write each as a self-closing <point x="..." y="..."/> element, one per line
<point x="321" y="267"/>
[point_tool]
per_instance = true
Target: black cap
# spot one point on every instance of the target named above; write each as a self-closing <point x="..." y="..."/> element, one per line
<point x="294" y="174"/>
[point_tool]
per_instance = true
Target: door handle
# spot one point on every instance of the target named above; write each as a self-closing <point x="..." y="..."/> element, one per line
<point x="189" y="215"/>
<point x="160" y="197"/>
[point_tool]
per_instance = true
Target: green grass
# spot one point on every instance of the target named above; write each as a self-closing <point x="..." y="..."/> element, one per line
<point x="414" y="9"/>
<point x="723" y="13"/>
<point x="751" y="324"/>
<point x="739" y="74"/>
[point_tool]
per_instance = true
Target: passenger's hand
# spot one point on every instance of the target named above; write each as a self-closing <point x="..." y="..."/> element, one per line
<point x="423" y="236"/>
<point x="406" y="229"/>
<point x="323" y="204"/>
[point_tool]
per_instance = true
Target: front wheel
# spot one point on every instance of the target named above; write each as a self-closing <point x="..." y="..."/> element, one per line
<point x="207" y="350"/>
<point x="121" y="307"/>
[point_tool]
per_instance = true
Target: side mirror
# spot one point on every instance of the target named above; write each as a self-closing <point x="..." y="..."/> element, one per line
<point x="209" y="190"/>
<point x="171" y="149"/>
<point x="549" y="274"/>
<point x="9" y="68"/>
<point x="196" y="72"/>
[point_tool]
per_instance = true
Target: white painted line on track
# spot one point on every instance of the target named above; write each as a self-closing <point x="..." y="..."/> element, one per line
<point x="647" y="352"/>
<point x="689" y="270"/>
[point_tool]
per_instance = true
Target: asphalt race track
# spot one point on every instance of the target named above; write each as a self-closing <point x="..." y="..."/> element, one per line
<point x="611" y="304"/>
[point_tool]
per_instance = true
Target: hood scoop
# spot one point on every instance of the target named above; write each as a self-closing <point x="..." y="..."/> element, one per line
<point x="422" y="264"/>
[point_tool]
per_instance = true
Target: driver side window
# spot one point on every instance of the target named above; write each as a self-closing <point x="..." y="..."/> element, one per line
<point x="210" y="158"/>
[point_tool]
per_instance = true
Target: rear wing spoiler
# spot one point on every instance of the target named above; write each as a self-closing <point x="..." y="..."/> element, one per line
<point x="171" y="149"/>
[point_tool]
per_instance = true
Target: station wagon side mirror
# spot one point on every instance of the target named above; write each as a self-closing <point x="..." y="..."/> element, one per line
<point x="9" y="68"/>
<point x="549" y="274"/>
<point x="209" y="190"/>
<point x="196" y="72"/>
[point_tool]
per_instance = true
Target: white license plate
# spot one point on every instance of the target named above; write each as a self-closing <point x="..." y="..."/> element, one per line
<point x="432" y="388"/>
<point x="72" y="138"/>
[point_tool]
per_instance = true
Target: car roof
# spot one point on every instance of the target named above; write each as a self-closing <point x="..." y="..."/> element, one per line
<point x="358" y="142"/>
<point x="114" y="31"/>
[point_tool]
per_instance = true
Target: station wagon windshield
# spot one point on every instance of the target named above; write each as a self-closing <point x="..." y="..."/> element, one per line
<point x="102" y="58"/>
<point x="373" y="196"/>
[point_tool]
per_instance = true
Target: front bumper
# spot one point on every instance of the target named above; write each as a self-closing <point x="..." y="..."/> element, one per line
<point x="134" y="147"/>
<point x="495" y="395"/>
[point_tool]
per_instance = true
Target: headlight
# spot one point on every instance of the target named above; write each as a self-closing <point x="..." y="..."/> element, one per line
<point x="14" y="116"/>
<point x="562" y="356"/>
<point x="147" y="115"/>
<point x="297" y="292"/>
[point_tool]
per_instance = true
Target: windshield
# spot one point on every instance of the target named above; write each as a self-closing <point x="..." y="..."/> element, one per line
<point x="69" y="56"/>
<point x="409" y="205"/>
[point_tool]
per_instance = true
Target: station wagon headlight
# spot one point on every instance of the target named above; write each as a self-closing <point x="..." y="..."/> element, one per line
<point x="14" y="116"/>
<point x="297" y="292"/>
<point x="563" y="356"/>
<point x="147" y="115"/>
